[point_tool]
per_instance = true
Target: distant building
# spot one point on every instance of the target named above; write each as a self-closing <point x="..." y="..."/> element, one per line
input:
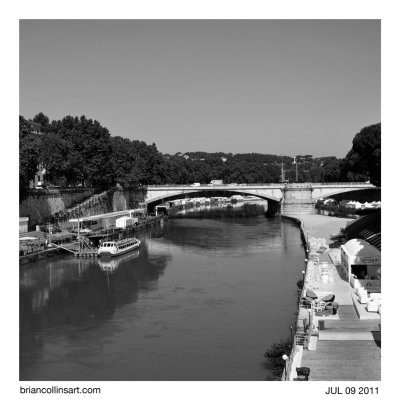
<point x="36" y="128"/>
<point x="223" y="159"/>
<point x="23" y="224"/>
<point x="39" y="178"/>
<point x="344" y="203"/>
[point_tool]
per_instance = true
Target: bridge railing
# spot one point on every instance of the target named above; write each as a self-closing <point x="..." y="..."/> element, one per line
<point x="343" y="184"/>
<point x="226" y="185"/>
<point x="239" y="185"/>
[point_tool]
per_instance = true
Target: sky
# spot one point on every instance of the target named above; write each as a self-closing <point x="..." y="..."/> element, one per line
<point x="269" y="86"/>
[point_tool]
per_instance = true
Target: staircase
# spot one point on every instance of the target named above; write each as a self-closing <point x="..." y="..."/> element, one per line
<point x="297" y="208"/>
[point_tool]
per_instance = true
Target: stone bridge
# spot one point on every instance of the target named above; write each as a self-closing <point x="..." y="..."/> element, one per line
<point x="285" y="198"/>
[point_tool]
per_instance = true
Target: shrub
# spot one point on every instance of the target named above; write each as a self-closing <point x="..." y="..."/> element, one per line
<point x="275" y="353"/>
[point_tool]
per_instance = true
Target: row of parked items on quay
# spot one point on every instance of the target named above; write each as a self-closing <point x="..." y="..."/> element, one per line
<point x="195" y="201"/>
<point x="321" y="305"/>
<point x="350" y="204"/>
<point x="317" y="245"/>
<point x="371" y="300"/>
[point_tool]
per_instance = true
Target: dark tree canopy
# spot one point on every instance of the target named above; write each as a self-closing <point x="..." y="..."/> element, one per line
<point x="363" y="161"/>
<point x="29" y="150"/>
<point x="78" y="150"/>
<point x="43" y="120"/>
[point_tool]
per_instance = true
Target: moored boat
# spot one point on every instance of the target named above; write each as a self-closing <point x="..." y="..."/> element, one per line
<point x="116" y="248"/>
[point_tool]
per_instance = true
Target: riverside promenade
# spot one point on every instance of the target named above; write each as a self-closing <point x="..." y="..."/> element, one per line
<point x="341" y="347"/>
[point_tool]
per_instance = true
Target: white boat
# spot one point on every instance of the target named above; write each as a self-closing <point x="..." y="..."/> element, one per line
<point x="116" y="248"/>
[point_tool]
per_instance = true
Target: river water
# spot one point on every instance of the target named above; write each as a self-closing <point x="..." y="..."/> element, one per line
<point x="202" y="299"/>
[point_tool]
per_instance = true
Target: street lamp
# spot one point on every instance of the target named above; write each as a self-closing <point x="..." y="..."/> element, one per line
<point x="309" y="318"/>
<point x="304" y="274"/>
<point x="291" y="335"/>
<point x="285" y="358"/>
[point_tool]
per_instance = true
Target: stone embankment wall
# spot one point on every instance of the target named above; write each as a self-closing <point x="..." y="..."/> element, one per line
<point x="40" y="205"/>
<point x="71" y="203"/>
<point x="109" y="201"/>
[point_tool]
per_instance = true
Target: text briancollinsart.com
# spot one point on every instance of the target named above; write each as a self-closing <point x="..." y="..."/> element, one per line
<point x="58" y="390"/>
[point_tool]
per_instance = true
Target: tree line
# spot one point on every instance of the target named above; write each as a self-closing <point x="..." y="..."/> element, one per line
<point x="79" y="151"/>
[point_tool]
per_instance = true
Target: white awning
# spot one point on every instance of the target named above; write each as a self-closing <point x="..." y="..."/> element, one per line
<point x="359" y="251"/>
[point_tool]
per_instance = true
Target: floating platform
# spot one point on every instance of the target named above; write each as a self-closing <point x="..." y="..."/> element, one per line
<point x="86" y="253"/>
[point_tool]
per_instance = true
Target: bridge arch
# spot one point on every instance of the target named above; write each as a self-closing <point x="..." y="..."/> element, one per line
<point x="210" y="192"/>
<point x="273" y="202"/>
<point x="323" y="192"/>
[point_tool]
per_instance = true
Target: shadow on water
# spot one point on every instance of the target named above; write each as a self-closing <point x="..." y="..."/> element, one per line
<point x="71" y="293"/>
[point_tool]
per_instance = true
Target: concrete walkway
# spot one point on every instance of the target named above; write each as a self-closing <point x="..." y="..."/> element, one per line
<point x="323" y="226"/>
<point x="347" y="348"/>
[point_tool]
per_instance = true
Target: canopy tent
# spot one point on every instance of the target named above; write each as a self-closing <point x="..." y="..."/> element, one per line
<point x="362" y="264"/>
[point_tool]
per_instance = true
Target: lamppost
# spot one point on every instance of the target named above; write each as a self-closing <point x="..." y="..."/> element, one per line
<point x="291" y="335"/>
<point x="285" y="358"/>
<point x="304" y="274"/>
<point x="309" y="318"/>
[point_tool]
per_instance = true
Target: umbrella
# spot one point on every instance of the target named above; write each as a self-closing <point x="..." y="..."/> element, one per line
<point x="311" y="294"/>
<point x="328" y="298"/>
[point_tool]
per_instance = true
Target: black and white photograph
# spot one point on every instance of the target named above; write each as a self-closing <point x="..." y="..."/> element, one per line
<point x="199" y="200"/>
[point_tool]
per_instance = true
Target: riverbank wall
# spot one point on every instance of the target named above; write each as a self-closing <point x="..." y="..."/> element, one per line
<point x="39" y="205"/>
<point x="66" y="203"/>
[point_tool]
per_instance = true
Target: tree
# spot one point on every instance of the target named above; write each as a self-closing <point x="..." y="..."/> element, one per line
<point x="29" y="145"/>
<point x="89" y="149"/>
<point x="363" y="161"/>
<point x="56" y="158"/>
<point x="126" y="162"/>
<point x="331" y="170"/>
<point x="43" y="120"/>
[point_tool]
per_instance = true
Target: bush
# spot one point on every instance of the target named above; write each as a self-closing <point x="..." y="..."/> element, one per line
<point x="300" y="284"/>
<point x="275" y="353"/>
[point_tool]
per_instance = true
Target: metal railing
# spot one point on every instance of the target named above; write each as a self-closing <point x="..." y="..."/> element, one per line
<point x="302" y="339"/>
<point x="343" y="184"/>
<point x="224" y="185"/>
<point x="238" y="185"/>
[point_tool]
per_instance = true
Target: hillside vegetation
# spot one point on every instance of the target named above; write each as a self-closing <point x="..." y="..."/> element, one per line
<point x="79" y="151"/>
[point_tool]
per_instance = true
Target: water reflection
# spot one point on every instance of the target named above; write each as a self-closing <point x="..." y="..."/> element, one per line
<point x="71" y="292"/>
<point x="110" y="265"/>
<point x="189" y="225"/>
<point x="228" y="210"/>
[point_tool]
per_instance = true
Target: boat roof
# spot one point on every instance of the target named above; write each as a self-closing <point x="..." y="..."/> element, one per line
<point x="121" y="241"/>
<point x="108" y="215"/>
